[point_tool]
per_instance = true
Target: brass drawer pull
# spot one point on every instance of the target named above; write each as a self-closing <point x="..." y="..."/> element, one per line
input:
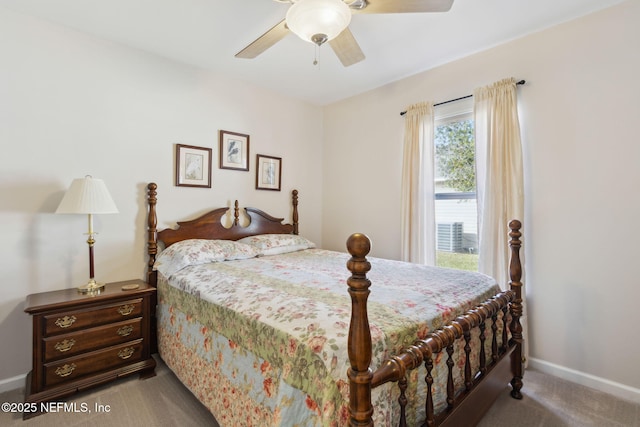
<point x="126" y="309"/>
<point x="65" y="321"/>
<point x="125" y="331"/>
<point x="64" y="345"/>
<point x="65" y="370"/>
<point x="126" y="353"/>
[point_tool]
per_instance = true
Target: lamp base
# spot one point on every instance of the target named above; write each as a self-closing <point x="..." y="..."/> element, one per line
<point x="92" y="287"/>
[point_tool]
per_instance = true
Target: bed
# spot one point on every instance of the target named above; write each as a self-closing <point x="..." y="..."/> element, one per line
<point x="266" y="329"/>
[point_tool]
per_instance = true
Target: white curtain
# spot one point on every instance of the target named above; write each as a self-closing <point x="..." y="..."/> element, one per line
<point x="500" y="181"/>
<point x="418" y="198"/>
<point x="499" y="174"/>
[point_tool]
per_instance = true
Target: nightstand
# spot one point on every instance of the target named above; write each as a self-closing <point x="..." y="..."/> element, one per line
<point x="81" y="340"/>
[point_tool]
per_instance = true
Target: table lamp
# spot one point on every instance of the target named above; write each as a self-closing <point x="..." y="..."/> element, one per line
<point x="88" y="196"/>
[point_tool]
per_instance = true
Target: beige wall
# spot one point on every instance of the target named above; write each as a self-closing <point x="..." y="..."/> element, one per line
<point x="579" y="113"/>
<point x="72" y="105"/>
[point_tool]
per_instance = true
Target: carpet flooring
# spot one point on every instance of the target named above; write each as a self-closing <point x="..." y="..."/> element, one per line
<point x="163" y="401"/>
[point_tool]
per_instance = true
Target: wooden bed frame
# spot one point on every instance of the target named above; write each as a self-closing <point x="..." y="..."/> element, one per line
<point x="464" y="407"/>
<point x="504" y="364"/>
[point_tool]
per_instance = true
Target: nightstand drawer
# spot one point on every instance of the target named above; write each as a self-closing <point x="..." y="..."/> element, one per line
<point x="60" y="346"/>
<point x="90" y="363"/>
<point x="99" y="315"/>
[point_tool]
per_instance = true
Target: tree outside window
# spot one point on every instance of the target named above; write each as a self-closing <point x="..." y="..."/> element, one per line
<point x="455" y="155"/>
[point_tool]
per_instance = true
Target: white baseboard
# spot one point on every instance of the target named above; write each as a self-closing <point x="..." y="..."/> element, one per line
<point x="611" y="387"/>
<point x="12" y="383"/>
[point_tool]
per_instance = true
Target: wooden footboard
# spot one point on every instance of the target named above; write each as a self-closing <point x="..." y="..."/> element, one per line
<point x="465" y="407"/>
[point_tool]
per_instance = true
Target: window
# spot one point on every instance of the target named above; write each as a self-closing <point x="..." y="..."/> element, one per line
<point x="455" y="186"/>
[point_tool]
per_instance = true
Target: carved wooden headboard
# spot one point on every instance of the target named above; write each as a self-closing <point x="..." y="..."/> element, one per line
<point x="209" y="226"/>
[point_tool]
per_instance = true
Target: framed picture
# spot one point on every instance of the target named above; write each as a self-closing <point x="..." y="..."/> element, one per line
<point x="234" y="151"/>
<point x="268" y="172"/>
<point x="193" y="166"/>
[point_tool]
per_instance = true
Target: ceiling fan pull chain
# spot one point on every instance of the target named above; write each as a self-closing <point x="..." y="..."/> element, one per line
<point x="317" y="53"/>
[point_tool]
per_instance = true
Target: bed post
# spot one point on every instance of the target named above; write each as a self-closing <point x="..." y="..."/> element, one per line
<point x="359" y="344"/>
<point x="294" y="203"/>
<point x="515" y="272"/>
<point x="152" y="233"/>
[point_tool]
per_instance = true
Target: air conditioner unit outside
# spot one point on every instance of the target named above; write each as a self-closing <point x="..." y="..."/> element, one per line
<point x="449" y="236"/>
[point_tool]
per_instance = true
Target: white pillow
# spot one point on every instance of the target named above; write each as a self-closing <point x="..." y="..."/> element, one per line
<point x="200" y="251"/>
<point x="274" y="244"/>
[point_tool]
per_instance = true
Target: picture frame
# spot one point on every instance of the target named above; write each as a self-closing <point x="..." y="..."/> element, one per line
<point x="234" y="150"/>
<point x="268" y="172"/>
<point x="193" y="166"/>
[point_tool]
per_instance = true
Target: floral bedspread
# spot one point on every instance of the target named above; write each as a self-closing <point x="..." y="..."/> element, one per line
<point x="262" y="341"/>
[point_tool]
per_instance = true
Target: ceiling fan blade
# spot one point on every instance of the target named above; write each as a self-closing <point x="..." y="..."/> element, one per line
<point x="403" y="6"/>
<point x="265" y="41"/>
<point x="346" y="48"/>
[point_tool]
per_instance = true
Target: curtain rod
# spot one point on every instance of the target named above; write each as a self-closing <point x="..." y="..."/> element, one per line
<point x="521" y="82"/>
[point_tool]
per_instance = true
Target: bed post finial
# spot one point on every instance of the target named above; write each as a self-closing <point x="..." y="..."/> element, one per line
<point x="359" y="344"/>
<point x="236" y="214"/>
<point x="294" y="203"/>
<point x="515" y="272"/>
<point x="152" y="239"/>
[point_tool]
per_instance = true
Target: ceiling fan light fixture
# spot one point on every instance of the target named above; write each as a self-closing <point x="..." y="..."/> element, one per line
<point x="315" y="20"/>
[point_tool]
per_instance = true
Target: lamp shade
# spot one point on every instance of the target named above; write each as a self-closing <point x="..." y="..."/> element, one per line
<point x="309" y="18"/>
<point x="87" y="196"/>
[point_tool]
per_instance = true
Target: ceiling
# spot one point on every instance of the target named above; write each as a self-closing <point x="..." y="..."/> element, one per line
<point x="208" y="33"/>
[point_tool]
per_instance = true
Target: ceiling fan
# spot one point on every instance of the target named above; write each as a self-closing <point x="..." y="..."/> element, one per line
<point x="319" y="21"/>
